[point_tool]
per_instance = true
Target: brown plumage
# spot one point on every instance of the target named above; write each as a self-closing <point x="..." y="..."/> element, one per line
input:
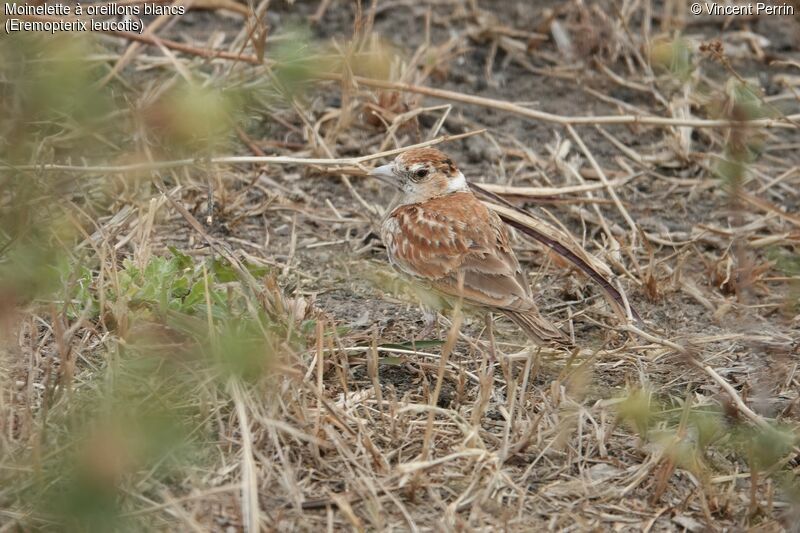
<point x="441" y="232"/>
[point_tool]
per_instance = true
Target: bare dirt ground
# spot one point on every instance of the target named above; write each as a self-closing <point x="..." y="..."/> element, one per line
<point x="334" y="411"/>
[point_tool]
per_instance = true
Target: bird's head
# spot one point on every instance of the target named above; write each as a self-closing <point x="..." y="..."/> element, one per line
<point x="422" y="174"/>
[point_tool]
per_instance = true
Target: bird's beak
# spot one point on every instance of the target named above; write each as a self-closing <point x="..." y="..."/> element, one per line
<point x="386" y="174"/>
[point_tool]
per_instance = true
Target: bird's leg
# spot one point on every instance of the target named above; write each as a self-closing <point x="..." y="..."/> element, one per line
<point x="495" y="394"/>
<point x="492" y="353"/>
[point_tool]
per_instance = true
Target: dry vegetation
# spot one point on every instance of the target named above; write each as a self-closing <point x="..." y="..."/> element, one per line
<point x="199" y="330"/>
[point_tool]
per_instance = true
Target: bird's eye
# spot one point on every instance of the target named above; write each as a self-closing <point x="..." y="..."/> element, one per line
<point x="421" y="173"/>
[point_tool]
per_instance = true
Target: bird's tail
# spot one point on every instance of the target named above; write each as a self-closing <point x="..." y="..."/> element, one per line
<point x="538" y="329"/>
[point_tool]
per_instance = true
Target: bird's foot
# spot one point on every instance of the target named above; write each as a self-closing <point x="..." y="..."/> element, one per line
<point x="430" y="323"/>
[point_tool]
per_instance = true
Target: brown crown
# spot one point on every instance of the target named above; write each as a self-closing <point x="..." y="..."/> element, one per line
<point x="437" y="158"/>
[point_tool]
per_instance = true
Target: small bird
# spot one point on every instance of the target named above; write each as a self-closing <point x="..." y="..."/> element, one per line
<point x="442" y="234"/>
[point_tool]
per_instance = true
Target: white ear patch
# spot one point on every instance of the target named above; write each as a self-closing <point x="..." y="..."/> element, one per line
<point x="457" y="184"/>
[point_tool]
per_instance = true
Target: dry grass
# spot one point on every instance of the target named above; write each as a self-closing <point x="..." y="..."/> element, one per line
<point x="200" y="331"/>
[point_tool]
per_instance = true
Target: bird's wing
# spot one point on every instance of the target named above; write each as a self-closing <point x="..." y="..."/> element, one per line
<point x="449" y="237"/>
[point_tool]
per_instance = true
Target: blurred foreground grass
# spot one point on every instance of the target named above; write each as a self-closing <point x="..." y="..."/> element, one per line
<point x="94" y="430"/>
<point x="707" y="441"/>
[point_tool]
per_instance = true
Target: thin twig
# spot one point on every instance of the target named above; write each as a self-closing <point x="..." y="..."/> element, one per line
<point x="606" y="183"/>
<point x="543" y="116"/>
<point x="239" y="160"/>
<point x="737" y="400"/>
